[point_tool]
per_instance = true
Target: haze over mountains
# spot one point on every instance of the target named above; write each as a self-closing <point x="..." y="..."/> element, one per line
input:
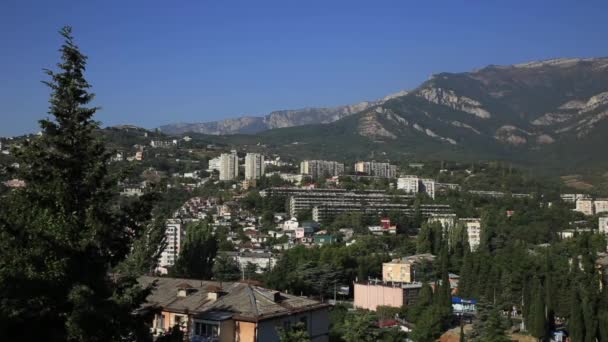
<point x="276" y="119"/>
<point x="553" y="110"/>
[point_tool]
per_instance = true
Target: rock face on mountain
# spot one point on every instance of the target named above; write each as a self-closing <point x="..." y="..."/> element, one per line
<point x="554" y="110"/>
<point x="276" y="119"/>
<point x="523" y="105"/>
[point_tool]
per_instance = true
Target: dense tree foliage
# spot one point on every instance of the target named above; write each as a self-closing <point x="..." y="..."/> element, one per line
<point x="197" y="253"/>
<point x="61" y="236"/>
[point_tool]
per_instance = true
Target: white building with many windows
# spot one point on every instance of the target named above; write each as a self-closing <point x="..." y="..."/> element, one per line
<point x="603" y="224"/>
<point x="321" y="168"/>
<point x="473" y="227"/>
<point x="175" y="233"/>
<point x="372" y="168"/>
<point x="254" y="166"/>
<point x="229" y="166"/>
<point x="414" y="185"/>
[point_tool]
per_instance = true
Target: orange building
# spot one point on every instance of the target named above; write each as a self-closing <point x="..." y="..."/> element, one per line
<point x="212" y="311"/>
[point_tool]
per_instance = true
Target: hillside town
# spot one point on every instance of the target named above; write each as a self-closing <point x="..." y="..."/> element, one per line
<point x="257" y="211"/>
<point x="471" y="206"/>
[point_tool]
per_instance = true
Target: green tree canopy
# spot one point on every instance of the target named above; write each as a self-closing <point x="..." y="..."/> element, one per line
<point x="60" y="236"/>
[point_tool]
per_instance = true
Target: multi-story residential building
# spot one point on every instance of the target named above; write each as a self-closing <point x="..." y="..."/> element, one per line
<point x="447" y="221"/>
<point x="163" y="143"/>
<point x="321" y="168"/>
<point x="600" y="205"/>
<point x="603" y="224"/>
<point x="139" y="155"/>
<point x="384" y="170"/>
<point x="240" y="311"/>
<point x="404" y="270"/>
<point x="370" y="295"/>
<point x="585" y="206"/>
<point x="254" y="166"/>
<point x="229" y="166"/>
<point x="263" y="260"/>
<point x="175" y="233"/>
<point x="215" y="164"/>
<point x="327" y="203"/>
<point x="414" y="185"/>
<point x="408" y="184"/>
<point x="473" y="227"/>
<point x="572" y="198"/>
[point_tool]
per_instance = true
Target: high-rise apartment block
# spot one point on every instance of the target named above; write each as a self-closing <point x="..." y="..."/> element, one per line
<point x="254" y="166"/>
<point x="414" y="185"/>
<point x="321" y="168"/>
<point x="175" y="234"/>
<point x="229" y="166"/>
<point x="384" y="170"/>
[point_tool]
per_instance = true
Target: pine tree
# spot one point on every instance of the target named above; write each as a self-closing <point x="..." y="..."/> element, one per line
<point x="60" y="236"/>
<point x="493" y="328"/>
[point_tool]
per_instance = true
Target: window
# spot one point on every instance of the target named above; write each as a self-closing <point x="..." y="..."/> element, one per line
<point x="304" y="321"/>
<point x="206" y="329"/>
<point x="160" y="321"/>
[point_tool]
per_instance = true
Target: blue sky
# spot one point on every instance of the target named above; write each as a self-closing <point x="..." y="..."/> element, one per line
<point x="157" y="62"/>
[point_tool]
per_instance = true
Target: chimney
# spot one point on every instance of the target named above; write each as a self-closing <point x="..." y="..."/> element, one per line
<point x="184" y="289"/>
<point x="214" y="292"/>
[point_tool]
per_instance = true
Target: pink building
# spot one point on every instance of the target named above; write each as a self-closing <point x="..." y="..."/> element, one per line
<point x="371" y="295"/>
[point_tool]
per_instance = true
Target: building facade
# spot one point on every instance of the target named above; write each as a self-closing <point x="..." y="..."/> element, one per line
<point x="254" y="166"/>
<point x="229" y="166"/>
<point x="415" y="185"/>
<point x="230" y="312"/>
<point x="404" y="270"/>
<point x="175" y="233"/>
<point x="321" y="168"/>
<point x="603" y="224"/>
<point x="600" y="205"/>
<point x="372" y="294"/>
<point x="384" y="170"/>
<point x="473" y="227"/>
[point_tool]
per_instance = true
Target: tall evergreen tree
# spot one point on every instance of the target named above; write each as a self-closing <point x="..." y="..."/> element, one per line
<point x="60" y="236"/>
<point x="197" y="253"/>
<point x="537" y="324"/>
<point x="576" y="323"/>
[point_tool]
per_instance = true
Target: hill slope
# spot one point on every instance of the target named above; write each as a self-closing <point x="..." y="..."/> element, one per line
<point x="553" y="113"/>
<point x="276" y="119"/>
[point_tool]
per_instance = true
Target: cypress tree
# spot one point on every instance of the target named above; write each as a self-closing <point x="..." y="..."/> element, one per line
<point x="576" y="323"/>
<point x="59" y="236"/>
<point x="537" y="324"/>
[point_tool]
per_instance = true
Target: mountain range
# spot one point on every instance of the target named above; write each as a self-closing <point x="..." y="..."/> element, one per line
<point x="552" y="111"/>
<point x="276" y="119"/>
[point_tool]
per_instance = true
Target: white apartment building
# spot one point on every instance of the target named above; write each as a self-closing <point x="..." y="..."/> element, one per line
<point x="603" y="224"/>
<point x="572" y="198"/>
<point x="254" y="166"/>
<point x="229" y="166"/>
<point x="601" y="205"/>
<point x="214" y="164"/>
<point x="321" y="168"/>
<point x="585" y="206"/>
<point x="414" y="185"/>
<point x="408" y="184"/>
<point x="473" y="227"/>
<point x="175" y="233"/>
<point x="384" y="170"/>
<point x="447" y="221"/>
